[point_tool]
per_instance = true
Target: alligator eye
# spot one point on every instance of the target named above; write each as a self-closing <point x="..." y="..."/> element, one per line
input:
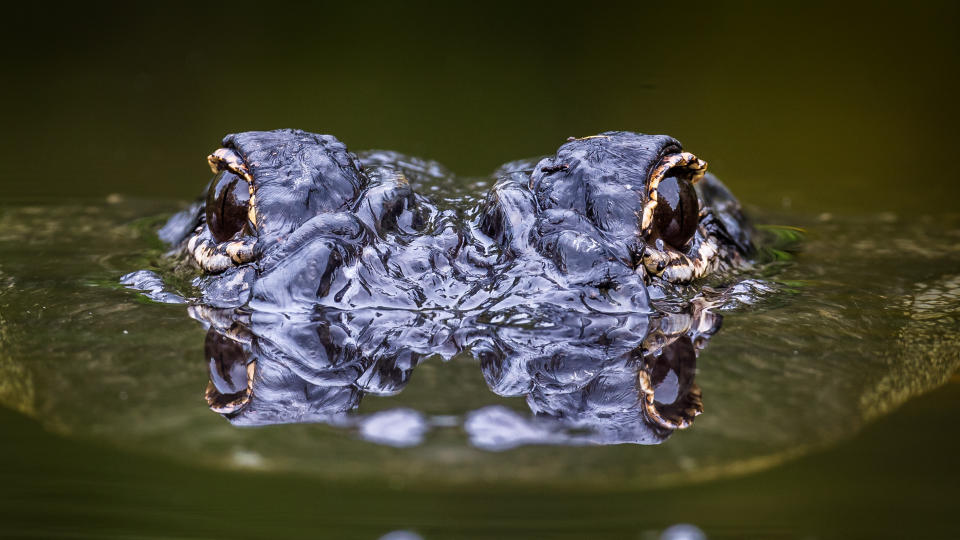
<point x="226" y="207"/>
<point x="675" y="217"/>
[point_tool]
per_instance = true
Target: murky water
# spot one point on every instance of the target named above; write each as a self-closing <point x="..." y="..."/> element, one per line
<point x="849" y="335"/>
<point x="828" y="405"/>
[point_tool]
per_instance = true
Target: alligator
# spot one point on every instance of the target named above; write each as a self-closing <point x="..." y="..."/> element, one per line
<point x="583" y="281"/>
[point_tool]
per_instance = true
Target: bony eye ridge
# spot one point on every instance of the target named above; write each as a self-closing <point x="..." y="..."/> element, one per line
<point x="295" y="219"/>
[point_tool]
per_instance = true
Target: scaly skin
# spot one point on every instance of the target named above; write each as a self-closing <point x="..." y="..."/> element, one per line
<point x="580" y="229"/>
<point x="327" y="276"/>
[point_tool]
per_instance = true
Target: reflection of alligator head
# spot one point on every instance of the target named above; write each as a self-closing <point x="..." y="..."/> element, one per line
<point x="853" y="334"/>
<point x="587" y="378"/>
<point x="553" y="279"/>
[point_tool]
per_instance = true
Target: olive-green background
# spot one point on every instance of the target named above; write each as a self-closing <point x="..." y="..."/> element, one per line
<point x="835" y="107"/>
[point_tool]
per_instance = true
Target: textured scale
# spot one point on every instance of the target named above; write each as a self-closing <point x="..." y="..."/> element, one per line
<point x="326" y="277"/>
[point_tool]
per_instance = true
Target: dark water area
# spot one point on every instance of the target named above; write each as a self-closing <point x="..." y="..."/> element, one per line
<point x="827" y="404"/>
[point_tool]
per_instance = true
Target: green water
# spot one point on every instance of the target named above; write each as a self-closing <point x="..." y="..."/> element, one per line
<point x="828" y="407"/>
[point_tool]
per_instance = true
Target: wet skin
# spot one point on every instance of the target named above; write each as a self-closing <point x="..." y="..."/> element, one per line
<point x="576" y="280"/>
<point x="588" y="379"/>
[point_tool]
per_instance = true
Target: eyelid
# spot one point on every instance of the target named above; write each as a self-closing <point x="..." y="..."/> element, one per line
<point x="226" y="159"/>
<point x="683" y="161"/>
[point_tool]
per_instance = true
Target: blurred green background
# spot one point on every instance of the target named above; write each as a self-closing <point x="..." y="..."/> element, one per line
<point x="835" y="107"/>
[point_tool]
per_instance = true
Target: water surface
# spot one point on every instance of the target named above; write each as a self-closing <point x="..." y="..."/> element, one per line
<point x="848" y="336"/>
<point x="827" y="405"/>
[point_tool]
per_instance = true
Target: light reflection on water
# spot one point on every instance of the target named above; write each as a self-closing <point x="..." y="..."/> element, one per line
<point x="843" y="341"/>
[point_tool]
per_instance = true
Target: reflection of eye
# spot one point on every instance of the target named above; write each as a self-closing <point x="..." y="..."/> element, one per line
<point x="227" y="203"/>
<point x="228" y="390"/>
<point x="672" y="372"/>
<point x="672" y="398"/>
<point x="675" y="217"/>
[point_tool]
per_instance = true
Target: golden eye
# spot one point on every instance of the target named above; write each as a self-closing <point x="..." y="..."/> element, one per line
<point x="677" y="212"/>
<point x="227" y="203"/>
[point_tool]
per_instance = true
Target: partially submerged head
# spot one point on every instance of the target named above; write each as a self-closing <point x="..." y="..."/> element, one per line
<point x="292" y="219"/>
<point x="267" y="185"/>
<point x="621" y="198"/>
<point x="345" y="278"/>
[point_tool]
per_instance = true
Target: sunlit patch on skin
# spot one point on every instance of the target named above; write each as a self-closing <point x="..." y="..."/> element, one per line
<point x="215" y="258"/>
<point x="663" y="261"/>
<point x="226" y="159"/>
<point x="588" y="137"/>
<point x="241" y="252"/>
<point x="209" y="255"/>
<point x="252" y="209"/>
